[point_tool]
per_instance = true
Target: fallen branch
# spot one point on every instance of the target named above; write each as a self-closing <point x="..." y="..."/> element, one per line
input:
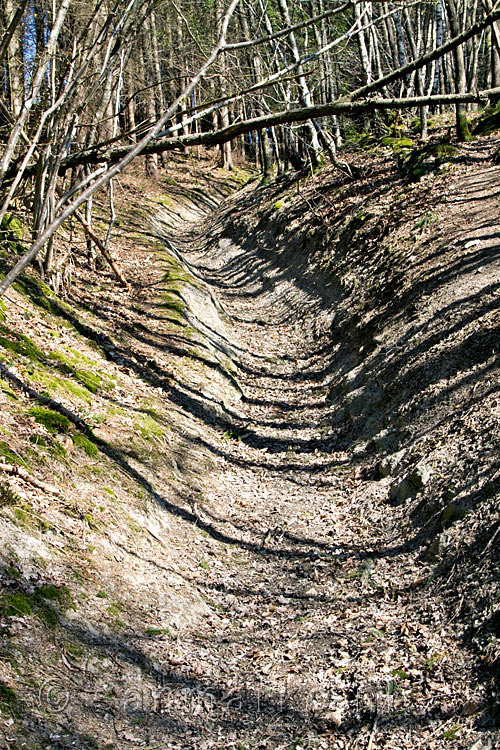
<point x="285" y="117"/>
<point x="20" y="472"/>
<point x="100" y="245"/>
<point x="104" y="250"/>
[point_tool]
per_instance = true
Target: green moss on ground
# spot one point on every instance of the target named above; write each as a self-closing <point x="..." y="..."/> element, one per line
<point x="8" y="454"/>
<point x="8" y="391"/>
<point x="51" y="420"/>
<point x="94" y="382"/>
<point x="397" y="145"/>
<point x="16" y="605"/>
<point x="46" y="602"/>
<point x="427" y="159"/>
<point x="488" y="121"/>
<point x="71" y="379"/>
<point x="18" y="343"/>
<point x="7" y="495"/>
<point x="172" y="302"/>
<point x="50" y="384"/>
<point x="148" y="427"/>
<point x="60" y="595"/>
<point x="8" y="698"/>
<point x="85" y="444"/>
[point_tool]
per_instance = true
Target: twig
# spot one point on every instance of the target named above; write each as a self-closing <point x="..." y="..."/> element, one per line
<point x="485" y="550"/>
<point x="372" y="733"/>
<point x="155" y="536"/>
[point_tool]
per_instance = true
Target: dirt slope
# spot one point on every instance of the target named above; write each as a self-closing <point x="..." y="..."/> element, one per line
<point x="283" y="531"/>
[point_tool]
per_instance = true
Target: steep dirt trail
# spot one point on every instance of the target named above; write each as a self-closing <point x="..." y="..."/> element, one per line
<point x="323" y="633"/>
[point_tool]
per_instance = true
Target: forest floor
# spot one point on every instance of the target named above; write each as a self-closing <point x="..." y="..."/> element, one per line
<point x="289" y="538"/>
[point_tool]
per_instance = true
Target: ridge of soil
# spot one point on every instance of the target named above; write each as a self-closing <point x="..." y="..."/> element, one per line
<point x="300" y="545"/>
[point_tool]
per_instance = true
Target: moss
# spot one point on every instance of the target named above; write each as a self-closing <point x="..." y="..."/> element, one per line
<point x="58" y="594"/>
<point x="397" y="144"/>
<point x="427" y="220"/>
<point x="8" y="391"/>
<point x="57" y="449"/>
<point x="427" y="159"/>
<point x="22" y="604"/>
<point x="82" y="357"/>
<point x="87" y="383"/>
<point x="176" y="278"/>
<point x="93" y="524"/>
<point x="488" y="121"/>
<point x="92" y="381"/>
<point x="51" y="420"/>
<point x="462" y="126"/>
<point x="18" y="343"/>
<point x="164" y="200"/>
<point x="171" y="300"/>
<point x="41" y="295"/>
<point x="154" y="632"/>
<point x="75" y="650"/>
<point x="16" y="605"/>
<point x="87" y="445"/>
<point x="148" y="427"/>
<point x="9" y="455"/>
<point x="75" y="389"/>
<point x="7" y="495"/>
<point x="174" y="267"/>
<point x="12" y="225"/>
<point x="13" y="572"/>
<point x="29" y="520"/>
<point x="38" y="440"/>
<point x="114" y="611"/>
<point x="7" y="695"/>
<point x="240" y="177"/>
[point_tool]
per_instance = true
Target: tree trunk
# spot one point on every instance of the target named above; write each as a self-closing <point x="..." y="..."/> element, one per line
<point x="14" y="60"/>
<point x="461" y="124"/>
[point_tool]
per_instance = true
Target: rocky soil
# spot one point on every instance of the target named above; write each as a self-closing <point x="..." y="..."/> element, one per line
<point x="282" y="531"/>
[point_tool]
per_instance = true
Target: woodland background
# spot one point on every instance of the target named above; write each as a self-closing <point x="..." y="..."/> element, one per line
<point x="87" y="86"/>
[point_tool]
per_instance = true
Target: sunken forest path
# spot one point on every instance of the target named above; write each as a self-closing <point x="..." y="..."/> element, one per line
<point x="325" y="631"/>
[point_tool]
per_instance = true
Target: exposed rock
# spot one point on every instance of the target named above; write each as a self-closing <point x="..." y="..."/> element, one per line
<point x="373" y="425"/>
<point x="428" y="158"/>
<point x="488" y="122"/>
<point x="452" y="512"/>
<point x="386" y="441"/>
<point x="369" y="398"/>
<point x="390" y="464"/>
<point x="353" y="379"/>
<point x="420" y="476"/>
<point x="403" y="491"/>
<point x="436" y="547"/>
<point x="339" y="416"/>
